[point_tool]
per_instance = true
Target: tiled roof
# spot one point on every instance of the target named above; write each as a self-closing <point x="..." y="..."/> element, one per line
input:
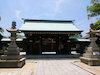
<point x="48" y="25"/>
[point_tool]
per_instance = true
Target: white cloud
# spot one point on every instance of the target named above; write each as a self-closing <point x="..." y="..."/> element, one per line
<point x="18" y="12"/>
<point x="58" y="5"/>
<point x="55" y="9"/>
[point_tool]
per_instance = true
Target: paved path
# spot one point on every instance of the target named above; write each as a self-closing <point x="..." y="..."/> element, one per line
<point x="28" y="69"/>
<point x="17" y="73"/>
<point x="58" y="67"/>
<point x="48" y="67"/>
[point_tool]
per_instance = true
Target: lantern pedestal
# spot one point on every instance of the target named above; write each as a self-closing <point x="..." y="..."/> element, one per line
<point x="92" y="53"/>
<point x="12" y="57"/>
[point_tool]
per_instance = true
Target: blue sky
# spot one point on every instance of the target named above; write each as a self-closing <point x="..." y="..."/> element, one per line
<point x="45" y="9"/>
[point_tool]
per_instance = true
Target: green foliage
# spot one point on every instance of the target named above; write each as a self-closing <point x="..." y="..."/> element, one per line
<point x="1" y="30"/>
<point x="97" y="25"/>
<point x="74" y="35"/>
<point x="94" y="9"/>
<point x="19" y="36"/>
<point x="0" y="17"/>
<point x="93" y="1"/>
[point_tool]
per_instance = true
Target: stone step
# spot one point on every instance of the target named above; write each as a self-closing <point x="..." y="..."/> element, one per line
<point x="12" y="53"/>
<point x="51" y="56"/>
<point x="91" y="56"/>
<point x="11" y="49"/>
<point x="11" y="57"/>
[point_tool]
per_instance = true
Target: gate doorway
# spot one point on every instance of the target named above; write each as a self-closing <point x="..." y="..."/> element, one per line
<point x="49" y="46"/>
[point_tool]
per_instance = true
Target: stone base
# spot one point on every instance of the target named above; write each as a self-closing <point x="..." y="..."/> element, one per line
<point x="11" y="57"/>
<point x="90" y="61"/>
<point x="12" y="63"/>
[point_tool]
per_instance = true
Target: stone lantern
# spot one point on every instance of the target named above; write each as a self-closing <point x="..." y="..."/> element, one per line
<point x="92" y="54"/>
<point x="12" y="57"/>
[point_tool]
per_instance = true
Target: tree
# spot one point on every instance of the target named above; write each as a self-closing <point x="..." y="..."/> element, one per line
<point x="0" y="17"/>
<point x="92" y="1"/>
<point x="1" y="30"/>
<point x="94" y="11"/>
<point x="97" y="25"/>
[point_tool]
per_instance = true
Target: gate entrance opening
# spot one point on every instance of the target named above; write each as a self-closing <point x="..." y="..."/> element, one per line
<point x="49" y="46"/>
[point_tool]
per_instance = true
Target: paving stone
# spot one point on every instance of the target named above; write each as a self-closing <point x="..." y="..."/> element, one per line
<point x="58" y="67"/>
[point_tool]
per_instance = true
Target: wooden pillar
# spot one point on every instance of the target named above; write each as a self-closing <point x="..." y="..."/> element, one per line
<point x="63" y="40"/>
<point x="59" y="46"/>
<point x="26" y="48"/>
<point x="82" y="48"/>
<point x="29" y="48"/>
<point x="65" y="46"/>
<point x="40" y="44"/>
<point x="68" y="46"/>
<point x="52" y="44"/>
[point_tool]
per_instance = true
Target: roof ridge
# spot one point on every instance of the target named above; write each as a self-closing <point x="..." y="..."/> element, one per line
<point x="40" y="20"/>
